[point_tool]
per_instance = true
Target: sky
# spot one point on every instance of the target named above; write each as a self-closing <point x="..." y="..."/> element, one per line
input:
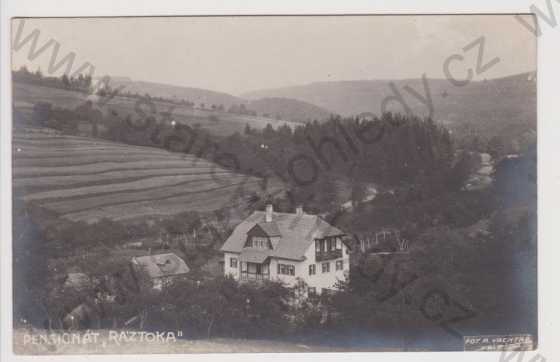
<point x="240" y="54"/>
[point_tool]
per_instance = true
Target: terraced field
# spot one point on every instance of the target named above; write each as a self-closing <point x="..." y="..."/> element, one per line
<point x="86" y="179"/>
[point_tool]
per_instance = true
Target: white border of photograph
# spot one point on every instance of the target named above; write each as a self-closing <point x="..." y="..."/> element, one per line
<point x="548" y="148"/>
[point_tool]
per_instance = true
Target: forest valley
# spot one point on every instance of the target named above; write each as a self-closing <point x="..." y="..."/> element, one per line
<point x="470" y="265"/>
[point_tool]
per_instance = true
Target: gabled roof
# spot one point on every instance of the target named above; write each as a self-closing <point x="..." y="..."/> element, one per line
<point x="160" y="265"/>
<point x="297" y="233"/>
<point x="269" y="228"/>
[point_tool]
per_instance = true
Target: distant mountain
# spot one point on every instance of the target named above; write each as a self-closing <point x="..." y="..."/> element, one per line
<point x="343" y="97"/>
<point x="502" y="106"/>
<point x="196" y="95"/>
<point x="276" y="107"/>
<point x="289" y="109"/>
<point x="488" y="106"/>
<point x="358" y="96"/>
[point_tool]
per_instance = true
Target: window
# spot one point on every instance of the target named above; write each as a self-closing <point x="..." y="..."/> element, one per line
<point x="286" y="269"/>
<point x="259" y="242"/>
<point x="332" y="244"/>
<point x="312" y="291"/>
<point x="338" y="244"/>
<point x="326" y="267"/>
<point x="312" y="269"/>
<point x="339" y="264"/>
<point x="233" y="262"/>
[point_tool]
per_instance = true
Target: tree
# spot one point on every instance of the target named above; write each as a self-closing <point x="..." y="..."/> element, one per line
<point x="87" y="81"/>
<point x="222" y="307"/>
<point x="466" y="164"/>
<point x="187" y="222"/>
<point x="268" y="131"/>
<point x="285" y="132"/>
<point x="496" y="147"/>
<point x="248" y="130"/>
<point x="358" y="192"/>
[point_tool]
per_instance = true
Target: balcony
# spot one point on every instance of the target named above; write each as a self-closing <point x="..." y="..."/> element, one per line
<point x="245" y="276"/>
<point x="328" y="255"/>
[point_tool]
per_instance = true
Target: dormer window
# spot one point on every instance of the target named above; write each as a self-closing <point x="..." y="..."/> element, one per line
<point x="259" y="242"/>
<point x="263" y="236"/>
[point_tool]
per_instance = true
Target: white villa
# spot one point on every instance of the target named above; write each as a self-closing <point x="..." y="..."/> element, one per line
<point x="287" y="247"/>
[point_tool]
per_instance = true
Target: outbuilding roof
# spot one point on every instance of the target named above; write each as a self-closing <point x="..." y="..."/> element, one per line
<point x="160" y="265"/>
<point x="296" y="232"/>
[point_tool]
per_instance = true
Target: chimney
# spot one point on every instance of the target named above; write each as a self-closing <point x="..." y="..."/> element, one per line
<point x="299" y="210"/>
<point x="268" y="214"/>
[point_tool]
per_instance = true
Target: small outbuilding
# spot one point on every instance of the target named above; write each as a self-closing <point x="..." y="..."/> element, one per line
<point x="158" y="270"/>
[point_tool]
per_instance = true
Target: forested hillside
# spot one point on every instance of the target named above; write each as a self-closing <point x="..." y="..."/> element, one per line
<point x="503" y="107"/>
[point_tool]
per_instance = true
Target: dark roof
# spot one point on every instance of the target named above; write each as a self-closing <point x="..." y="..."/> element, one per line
<point x="160" y="265"/>
<point x="297" y="232"/>
<point x="270" y="228"/>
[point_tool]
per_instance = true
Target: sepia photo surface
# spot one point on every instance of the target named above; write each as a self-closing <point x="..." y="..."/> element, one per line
<point x="274" y="184"/>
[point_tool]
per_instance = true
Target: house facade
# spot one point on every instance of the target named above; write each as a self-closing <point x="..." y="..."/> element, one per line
<point x="287" y="247"/>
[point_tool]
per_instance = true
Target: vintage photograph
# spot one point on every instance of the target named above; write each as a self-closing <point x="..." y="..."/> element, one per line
<point x="222" y="184"/>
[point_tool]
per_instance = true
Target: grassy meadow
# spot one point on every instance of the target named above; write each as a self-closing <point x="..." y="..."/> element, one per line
<point x="87" y="179"/>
